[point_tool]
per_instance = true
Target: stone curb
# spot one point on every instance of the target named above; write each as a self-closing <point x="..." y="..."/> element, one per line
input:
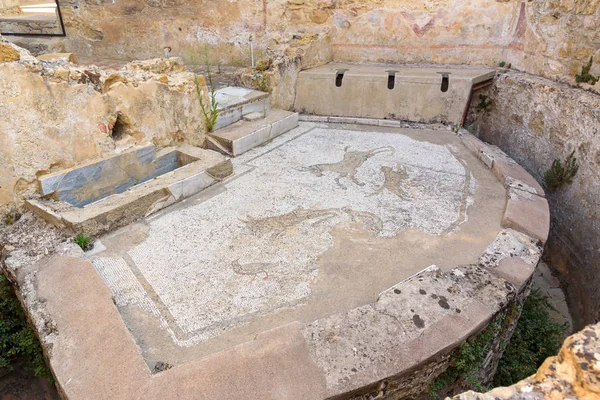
<point x="389" y="123"/>
<point x="526" y="208"/>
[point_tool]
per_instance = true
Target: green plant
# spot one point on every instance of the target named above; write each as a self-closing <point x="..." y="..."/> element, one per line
<point x="261" y="82"/>
<point x="535" y="338"/>
<point x="83" y="241"/>
<point x="466" y="361"/>
<point x="585" y="76"/>
<point x="484" y="103"/>
<point x="9" y="219"/>
<point x="561" y="174"/>
<point x="209" y="109"/>
<point x="17" y="339"/>
<point x="456" y="129"/>
<point x="502" y="64"/>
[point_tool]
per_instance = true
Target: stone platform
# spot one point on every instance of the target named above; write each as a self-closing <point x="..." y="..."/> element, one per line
<point x="431" y="93"/>
<point x="340" y="260"/>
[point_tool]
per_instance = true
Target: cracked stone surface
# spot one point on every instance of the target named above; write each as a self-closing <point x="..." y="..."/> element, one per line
<point x="319" y="221"/>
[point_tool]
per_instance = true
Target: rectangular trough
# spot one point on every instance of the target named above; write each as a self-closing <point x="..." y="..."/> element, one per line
<point x="113" y="192"/>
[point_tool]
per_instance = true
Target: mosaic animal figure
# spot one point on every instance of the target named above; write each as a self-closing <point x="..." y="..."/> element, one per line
<point x="393" y="181"/>
<point x="253" y="269"/>
<point x="278" y="224"/>
<point x="348" y="167"/>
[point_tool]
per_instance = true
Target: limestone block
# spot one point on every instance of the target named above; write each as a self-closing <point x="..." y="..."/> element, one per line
<point x="513" y="175"/>
<point x="8" y="53"/>
<point x="515" y="270"/>
<point x="472" y="143"/>
<point x="528" y="213"/>
<point x="158" y="65"/>
<point x="69" y="57"/>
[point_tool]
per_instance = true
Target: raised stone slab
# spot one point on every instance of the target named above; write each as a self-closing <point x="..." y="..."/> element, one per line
<point x="236" y="102"/>
<point x="201" y="168"/>
<point x="417" y="94"/>
<point x="528" y="213"/>
<point x="243" y="136"/>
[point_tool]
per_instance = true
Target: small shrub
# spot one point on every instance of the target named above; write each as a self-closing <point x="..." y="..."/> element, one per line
<point x="17" y="339"/>
<point x="484" y="103"/>
<point x="585" y="76"/>
<point x="209" y="108"/>
<point x="535" y="338"/>
<point x="502" y="64"/>
<point x="466" y="361"/>
<point x="83" y="241"/>
<point x="456" y="129"/>
<point x="561" y="174"/>
<point x="261" y="82"/>
<point x="11" y="217"/>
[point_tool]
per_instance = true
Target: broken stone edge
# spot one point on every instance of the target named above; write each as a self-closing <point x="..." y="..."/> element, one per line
<point x="394" y="347"/>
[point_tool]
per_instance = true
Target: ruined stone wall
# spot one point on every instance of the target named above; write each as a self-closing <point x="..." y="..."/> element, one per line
<point x="572" y="374"/>
<point x="537" y="121"/>
<point x="9" y="7"/>
<point x="55" y="115"/>
<point x="548" y="38"/>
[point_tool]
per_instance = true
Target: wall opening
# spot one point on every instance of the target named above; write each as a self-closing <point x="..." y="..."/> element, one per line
<point x="445" y="82"/>
<point x="119" y="129"/>
<point x="391" y="79"/>
<point x="339" y="77"/>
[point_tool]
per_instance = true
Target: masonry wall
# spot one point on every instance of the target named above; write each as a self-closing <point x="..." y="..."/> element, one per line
<point x="55" y="115"/>
<point x="9" y="7"/>
<point x="548" y="38"/>
<point x="537" y="121"/>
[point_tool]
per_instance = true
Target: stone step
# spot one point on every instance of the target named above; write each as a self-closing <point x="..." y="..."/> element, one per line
<point x="236" y="102"/>
<point x="245" y="135"/>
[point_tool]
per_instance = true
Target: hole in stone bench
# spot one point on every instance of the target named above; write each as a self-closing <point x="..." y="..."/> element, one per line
<point x="391" y="79"/>
<point x="339" y="77"/>
<point x="445" y="81"/>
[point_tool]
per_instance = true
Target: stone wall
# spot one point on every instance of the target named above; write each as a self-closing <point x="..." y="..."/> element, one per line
<point x="55" y="115"/>
<point x="9" y="7"/>
<point x="572" y="374"/>
<point x="537" y="121"/>
<point x="548" y="38"/>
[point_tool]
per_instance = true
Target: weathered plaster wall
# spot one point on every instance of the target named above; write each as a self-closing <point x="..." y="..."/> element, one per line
<point x="549" y="38"/>
<point x="537" y="121"/>
<point x="55" y="115"/>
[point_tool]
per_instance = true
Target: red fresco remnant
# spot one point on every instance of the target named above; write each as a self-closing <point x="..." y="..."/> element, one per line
<point x="521" y="23"/>
<point x="419" y="31"/>
<point x="102" y="128"/>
